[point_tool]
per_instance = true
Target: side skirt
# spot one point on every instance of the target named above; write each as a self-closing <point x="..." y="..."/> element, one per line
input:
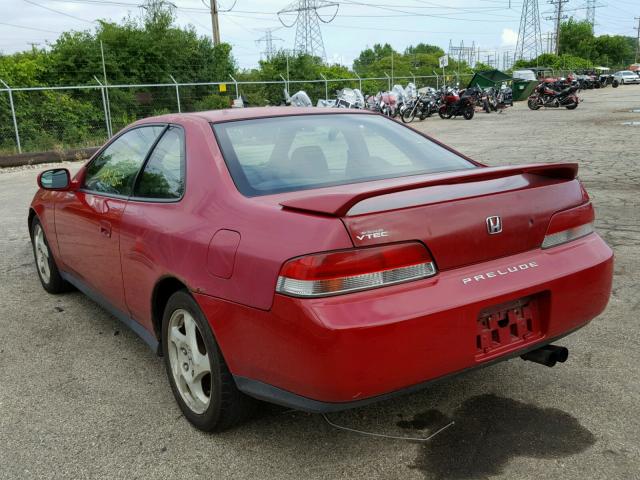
<point x="130" y="322"/>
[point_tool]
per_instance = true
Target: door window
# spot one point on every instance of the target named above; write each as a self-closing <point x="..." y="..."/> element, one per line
<point x="114" y="171"/>
<point x="164" y="174"/>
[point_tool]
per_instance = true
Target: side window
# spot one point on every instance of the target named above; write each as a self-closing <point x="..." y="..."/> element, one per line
<point x="163" y="176"/>
<point x="115" y="170"/>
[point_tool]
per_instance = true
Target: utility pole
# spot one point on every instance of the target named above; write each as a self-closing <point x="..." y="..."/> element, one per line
<point x="215" y="27"/>
<point x="637" y="39"/>
<point x="557" y="18"/>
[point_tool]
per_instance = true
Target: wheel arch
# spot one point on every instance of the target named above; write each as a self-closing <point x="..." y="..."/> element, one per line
<point x="162" y="291"/>
<point x="30" y="217"/>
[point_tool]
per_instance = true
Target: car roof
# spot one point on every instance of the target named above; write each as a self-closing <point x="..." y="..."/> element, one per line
<point x="231" y="114"/>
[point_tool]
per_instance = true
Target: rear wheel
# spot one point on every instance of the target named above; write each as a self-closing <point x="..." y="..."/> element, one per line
<point x="200" y="379"/>
<point x="572" y="106"/>
<point x="468" y="113"/>
<point x="48" y="272"/>
<point x="615" y="84"/>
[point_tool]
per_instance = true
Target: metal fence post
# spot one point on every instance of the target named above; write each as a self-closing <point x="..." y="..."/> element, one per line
<point x="359" y="81"/>
<point x="286" y="83"/>
<point x="389" y="79"/>
<point x="104" y="105"/>
<point x="13" y="115"/>
<point x="177" y="92"/>
<point x="236" y="84"/>
<point x="326" y="87"/>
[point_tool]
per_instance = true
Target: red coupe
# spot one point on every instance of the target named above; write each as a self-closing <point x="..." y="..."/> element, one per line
<point x="319" y="259"/>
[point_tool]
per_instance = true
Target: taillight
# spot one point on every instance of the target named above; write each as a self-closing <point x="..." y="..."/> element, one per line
<point x="345" y="271"/>
<point x="569" y="225"/>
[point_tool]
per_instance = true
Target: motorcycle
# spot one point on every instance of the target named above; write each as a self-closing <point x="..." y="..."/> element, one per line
<point x="350" y="98"/>
<point x="454" y="104"/>
<point x="298" y="99"/>
<point x="546" y="96"/>
<point x="425" y="105"/>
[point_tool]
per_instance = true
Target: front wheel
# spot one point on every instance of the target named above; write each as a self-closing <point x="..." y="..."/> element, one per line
<point x="48" y="272"/>
<point x="200" y="379"/>
<point x="533" y="104"/>
<point x="468" y="113"/>
<point x="615" y="84"/>
<point x="444" y="114"/>
<point x="408" y="115"/>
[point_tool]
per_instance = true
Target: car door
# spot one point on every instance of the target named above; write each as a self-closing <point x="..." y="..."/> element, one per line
<point x="153" y="224"/>
<point x="88" y="219"/>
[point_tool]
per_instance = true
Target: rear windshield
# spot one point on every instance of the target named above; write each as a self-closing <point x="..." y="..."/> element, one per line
<point x="284" y="154"/>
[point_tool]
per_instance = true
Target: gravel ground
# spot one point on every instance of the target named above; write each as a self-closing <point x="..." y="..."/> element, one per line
<point x="82" y="397"/>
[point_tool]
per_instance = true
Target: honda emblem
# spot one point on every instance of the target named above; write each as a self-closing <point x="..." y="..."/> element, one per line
<point x="494" y="225"/>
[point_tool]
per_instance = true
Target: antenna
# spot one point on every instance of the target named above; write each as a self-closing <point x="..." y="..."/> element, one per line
<point x="529" y="35"/>
<point x="308" y="36"/>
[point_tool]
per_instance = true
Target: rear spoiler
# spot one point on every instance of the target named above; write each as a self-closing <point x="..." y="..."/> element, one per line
<point x="341" y="199"/>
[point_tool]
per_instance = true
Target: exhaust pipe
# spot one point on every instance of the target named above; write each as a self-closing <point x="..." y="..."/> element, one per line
<point x="548" y="355"/>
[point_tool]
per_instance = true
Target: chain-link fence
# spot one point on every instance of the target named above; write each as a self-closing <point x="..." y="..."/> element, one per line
<point x="35" y="119"/>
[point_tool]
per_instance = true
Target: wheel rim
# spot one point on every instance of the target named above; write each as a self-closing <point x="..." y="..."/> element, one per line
<point x="42" y="254"/>
<point x="189" y="361"/>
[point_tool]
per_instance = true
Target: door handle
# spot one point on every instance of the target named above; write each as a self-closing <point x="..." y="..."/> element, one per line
<point x="105" y="229"/>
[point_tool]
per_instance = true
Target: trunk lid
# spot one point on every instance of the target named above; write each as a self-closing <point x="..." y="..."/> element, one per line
<point x="449" y="212"/>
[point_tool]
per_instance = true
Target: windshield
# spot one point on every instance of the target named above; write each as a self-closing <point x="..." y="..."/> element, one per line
<point x="283" y="154"/>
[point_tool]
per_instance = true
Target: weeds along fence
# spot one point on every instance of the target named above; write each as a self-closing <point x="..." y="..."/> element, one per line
<point x="34" y="119"/>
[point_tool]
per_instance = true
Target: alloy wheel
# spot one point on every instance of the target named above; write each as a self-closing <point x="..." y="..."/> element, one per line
<point x="42" y="254"/>
<point x="189" y="361"/>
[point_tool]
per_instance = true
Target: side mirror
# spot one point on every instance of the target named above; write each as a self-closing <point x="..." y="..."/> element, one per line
<point x="55" y="179"/>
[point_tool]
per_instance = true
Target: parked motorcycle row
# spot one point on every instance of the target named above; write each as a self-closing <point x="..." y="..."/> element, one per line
<point x="410" y="103"/>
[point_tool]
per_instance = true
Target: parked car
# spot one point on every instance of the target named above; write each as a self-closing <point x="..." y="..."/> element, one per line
<point x="626" y="76"/>
<point x="318" y="259"/>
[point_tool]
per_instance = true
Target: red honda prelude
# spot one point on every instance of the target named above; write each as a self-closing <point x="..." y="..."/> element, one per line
<point x="319" y="259"/>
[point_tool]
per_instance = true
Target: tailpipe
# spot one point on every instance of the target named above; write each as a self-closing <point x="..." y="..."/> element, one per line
<point x="548" y="355"/>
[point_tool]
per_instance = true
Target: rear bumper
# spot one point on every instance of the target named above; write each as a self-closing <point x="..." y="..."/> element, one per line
<point x="338" y="352"/>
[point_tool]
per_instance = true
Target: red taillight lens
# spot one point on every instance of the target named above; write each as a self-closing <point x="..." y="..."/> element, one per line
<point x="351" y="270"/>
<point x="569" y="225"/>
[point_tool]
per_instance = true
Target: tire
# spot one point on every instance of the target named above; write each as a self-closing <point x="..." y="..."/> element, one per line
<point x="186" y="356"/>
<point x="572" y="106"/>
<point x="468" y="113"/>
<point x="485" y="106"/>
<point x="408" y="115"/>
<point x="444" y="114"/>
<point x="533" y="104"/>
<point x="48" y="272"/>
<point x="615" y="84"/>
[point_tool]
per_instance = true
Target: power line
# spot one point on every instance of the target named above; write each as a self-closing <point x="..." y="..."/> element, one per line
<point x="29" y="28"/>
<point x="59" y="12"/>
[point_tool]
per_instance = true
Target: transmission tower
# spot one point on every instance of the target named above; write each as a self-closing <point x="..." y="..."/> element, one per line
<point x="529" y="35"/>
<point x="307" y="21"/>
<point x="590" y="5"/>
<point x="268" y="39"/>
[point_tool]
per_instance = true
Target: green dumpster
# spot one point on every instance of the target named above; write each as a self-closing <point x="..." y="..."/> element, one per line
<point x="523" y="88"/>
<point x="489" y="78"/>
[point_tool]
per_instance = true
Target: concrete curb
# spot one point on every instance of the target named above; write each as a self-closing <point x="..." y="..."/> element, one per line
<point x="46" y="157"/>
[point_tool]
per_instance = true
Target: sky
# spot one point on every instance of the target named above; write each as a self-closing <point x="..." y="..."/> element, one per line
<point x="491" y="24"/>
